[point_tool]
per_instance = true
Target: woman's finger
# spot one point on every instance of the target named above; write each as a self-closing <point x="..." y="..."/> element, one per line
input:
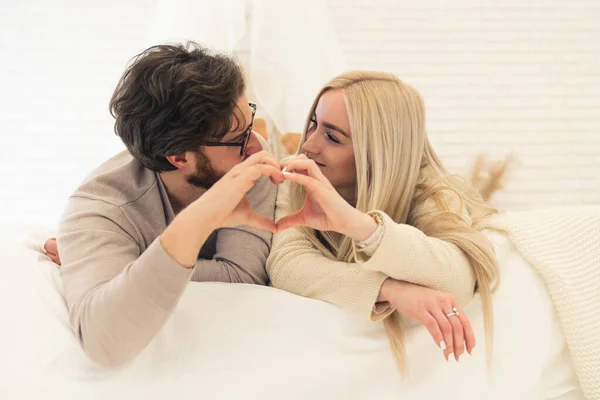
<point x="292" y="158"/>
<point x="457" y="334"/>
<point x="304" y="164"/>
<point x="446" y="329"/>
<point x="290" y="221"/>
<point x="309" y="183"/>
<point x="434" y="329"/>
<point x="467" y="329"/>
<point x="300" y="165"/>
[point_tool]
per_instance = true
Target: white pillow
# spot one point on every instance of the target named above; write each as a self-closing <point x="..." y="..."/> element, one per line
<point x="233" y="341"/>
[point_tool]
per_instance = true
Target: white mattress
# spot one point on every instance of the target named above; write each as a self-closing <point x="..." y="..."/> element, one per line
<point x="232" y="341"/>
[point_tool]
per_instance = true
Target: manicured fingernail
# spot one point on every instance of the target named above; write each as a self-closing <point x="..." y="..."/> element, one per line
<point x="443" y="345"/>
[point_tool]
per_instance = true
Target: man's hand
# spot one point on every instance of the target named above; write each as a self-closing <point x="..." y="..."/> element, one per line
<point x="52" y="250"/>
<point x="224" y="205"/>
<point x="227" y="199"/>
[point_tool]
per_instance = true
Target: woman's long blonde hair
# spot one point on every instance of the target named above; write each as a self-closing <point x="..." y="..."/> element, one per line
<point x="399" y="173"/>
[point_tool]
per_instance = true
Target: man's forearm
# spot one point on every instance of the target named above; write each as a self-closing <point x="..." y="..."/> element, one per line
<point x="186" y="234"/>
<point x="240" y="257"/>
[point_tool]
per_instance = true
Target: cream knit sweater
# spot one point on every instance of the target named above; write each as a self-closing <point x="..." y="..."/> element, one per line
<point x="563" y="246"/>
<point x="405" y="253"/>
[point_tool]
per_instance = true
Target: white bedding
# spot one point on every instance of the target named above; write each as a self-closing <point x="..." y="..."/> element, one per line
<point x="230" y="341"/>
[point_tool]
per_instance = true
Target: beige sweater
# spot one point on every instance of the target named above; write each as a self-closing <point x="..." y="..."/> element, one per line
<point x="404" y="253"/>
<point x="120" y="285"/>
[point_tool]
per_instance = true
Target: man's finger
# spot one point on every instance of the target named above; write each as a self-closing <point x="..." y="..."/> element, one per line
<point x="262" y="157"/>
<point x="255" y="172"/>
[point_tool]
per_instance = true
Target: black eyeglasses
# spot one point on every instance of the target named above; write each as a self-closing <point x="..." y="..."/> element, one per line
<point x="246" y="137"/>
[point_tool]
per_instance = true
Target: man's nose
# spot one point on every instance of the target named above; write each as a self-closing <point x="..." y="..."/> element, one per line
<point x="254" y="144"/>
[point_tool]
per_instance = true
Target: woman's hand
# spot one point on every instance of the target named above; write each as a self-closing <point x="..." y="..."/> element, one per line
<point x="452" y="333"/>
<point x="324" y="208"/>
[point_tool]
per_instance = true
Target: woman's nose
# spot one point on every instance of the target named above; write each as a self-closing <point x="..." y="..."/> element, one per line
<point x="311" y="144"/>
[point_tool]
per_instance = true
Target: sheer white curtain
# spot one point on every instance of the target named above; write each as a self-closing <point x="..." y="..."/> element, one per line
<point x="294" y="53"/>
<point x="218" y="24"/>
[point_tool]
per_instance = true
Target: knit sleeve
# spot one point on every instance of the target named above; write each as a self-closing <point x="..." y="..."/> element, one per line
<point x="405" y="253"/>
<point x="118" y="297"/>
<point x="295" y="265"/>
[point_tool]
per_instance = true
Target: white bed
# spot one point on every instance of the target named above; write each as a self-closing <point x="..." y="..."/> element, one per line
<point x="229" y="341"/>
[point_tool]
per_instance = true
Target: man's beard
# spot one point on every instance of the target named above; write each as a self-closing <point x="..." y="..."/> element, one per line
<point x="205" y="175"/>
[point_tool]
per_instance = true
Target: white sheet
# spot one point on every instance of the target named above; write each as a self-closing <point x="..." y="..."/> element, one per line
<point x="231" y="341"/>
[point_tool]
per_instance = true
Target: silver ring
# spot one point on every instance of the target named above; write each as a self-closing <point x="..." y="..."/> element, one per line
<point x="453" y="313"/>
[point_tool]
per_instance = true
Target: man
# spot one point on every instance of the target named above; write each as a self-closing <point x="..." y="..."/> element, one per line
<point x="151" y="219"/>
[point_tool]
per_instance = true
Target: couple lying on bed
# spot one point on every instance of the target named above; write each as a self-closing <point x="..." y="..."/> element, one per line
<point x="364" y="217"/>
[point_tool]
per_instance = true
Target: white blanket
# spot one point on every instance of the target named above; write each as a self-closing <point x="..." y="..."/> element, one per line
<point x="232" y="341"/>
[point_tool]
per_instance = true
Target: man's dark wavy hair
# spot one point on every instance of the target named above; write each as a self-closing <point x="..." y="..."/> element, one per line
<point x="173" y="98"/>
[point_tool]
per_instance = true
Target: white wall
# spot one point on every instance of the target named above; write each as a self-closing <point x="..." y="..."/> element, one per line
<point x="60" y="61"/>
<point x="497" y="76"/>
<point x="521" y="75"/>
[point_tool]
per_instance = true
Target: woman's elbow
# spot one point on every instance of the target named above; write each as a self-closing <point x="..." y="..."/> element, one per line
<point x="464" y="296"/>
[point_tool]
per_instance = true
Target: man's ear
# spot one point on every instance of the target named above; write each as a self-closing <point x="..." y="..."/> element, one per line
<point x="184" y="162"/>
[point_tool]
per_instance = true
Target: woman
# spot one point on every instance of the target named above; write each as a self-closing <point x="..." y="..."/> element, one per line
<point x="373" y="209"/>
<point x="378" y="209"/>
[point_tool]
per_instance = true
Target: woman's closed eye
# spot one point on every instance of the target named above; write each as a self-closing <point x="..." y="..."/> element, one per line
<point x="328" y="134"/>
<point x="331" y="137"/>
